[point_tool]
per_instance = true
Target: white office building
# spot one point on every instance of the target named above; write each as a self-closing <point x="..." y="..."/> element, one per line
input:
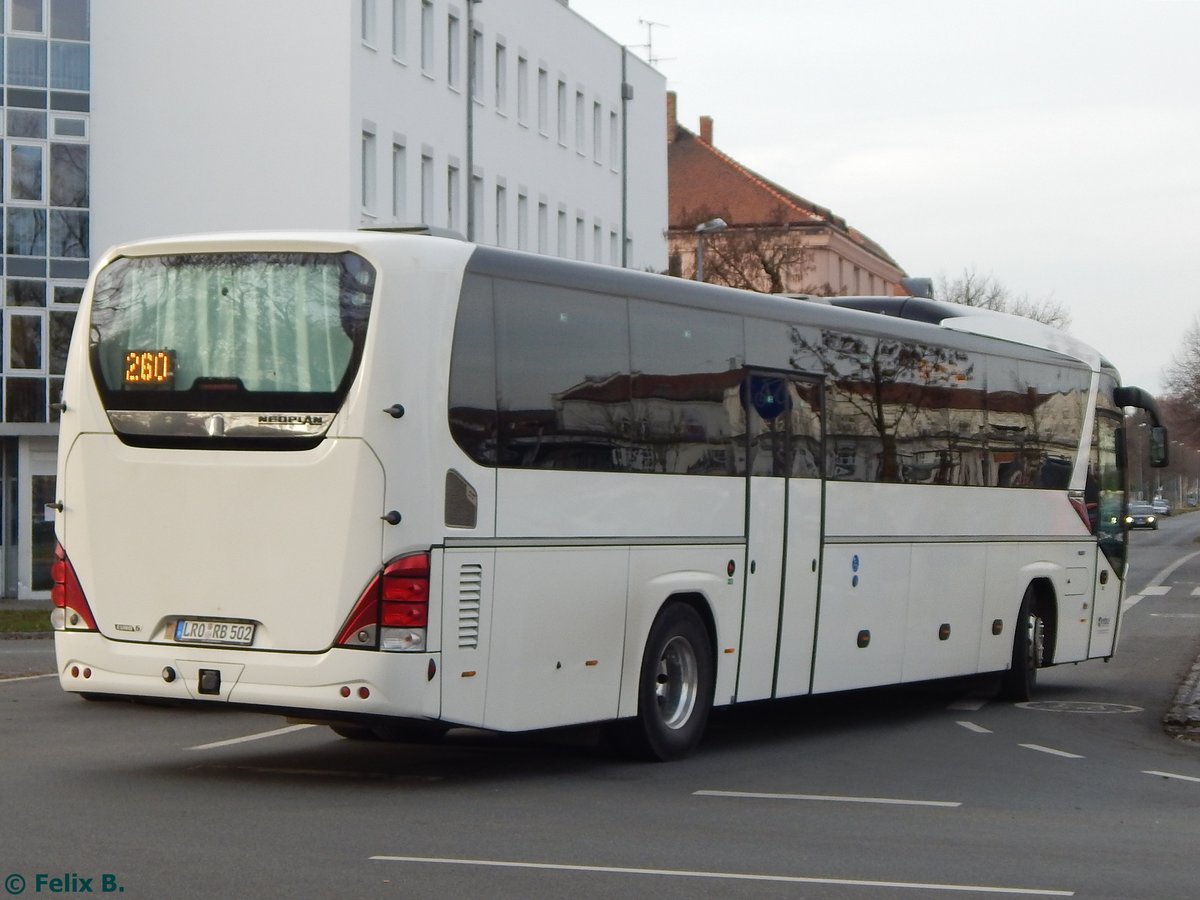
<point x="516" y="122"/>
<point x="315" y="114"/>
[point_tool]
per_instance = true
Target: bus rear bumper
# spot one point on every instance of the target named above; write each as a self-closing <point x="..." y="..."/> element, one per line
<point x="340" y="682"/>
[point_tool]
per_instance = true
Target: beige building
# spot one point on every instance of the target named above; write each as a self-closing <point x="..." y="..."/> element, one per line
<point x="774" y="240"/>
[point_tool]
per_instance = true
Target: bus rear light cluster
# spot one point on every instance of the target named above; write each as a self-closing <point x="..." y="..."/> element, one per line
<point x="394" y="607"/>
<point x="363" y="692"/>
<point x="71" y="610"/>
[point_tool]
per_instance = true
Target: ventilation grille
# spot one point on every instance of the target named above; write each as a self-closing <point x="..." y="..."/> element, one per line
<point x="470" y="595"/>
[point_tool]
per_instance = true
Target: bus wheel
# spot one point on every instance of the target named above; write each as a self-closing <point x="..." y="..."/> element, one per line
<point x="1029" y="652"/>
<point x="675" y="691"/>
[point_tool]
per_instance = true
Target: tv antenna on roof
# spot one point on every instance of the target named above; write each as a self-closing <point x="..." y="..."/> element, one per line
<point x="649" y="45"/>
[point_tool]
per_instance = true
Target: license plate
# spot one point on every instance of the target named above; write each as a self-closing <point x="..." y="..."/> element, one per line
<point x="210" y="631"/>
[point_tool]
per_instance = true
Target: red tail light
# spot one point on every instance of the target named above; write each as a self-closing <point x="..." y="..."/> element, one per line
<point x="398" y="597"/>
<point x="406" y="592"/>
<point x="67" y="595"/>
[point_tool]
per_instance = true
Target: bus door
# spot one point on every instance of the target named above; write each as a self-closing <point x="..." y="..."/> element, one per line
<point x="783" y="541"/>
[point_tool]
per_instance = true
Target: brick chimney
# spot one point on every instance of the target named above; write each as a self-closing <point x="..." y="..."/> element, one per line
<point x="706" y="129"/>
<point x="672" y="121"/>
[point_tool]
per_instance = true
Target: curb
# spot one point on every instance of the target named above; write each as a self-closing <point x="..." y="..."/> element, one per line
<point x="1183" y="718"/>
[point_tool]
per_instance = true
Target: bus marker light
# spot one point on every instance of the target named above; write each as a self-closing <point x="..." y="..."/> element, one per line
<point x="74" y="671"/>
<point x="864" y="638"/>
<point x="345" y="691"/>
<point x="997" y="626"/>
<point x="430" y="670"/>
<point x="168" y="674"/>
<point x="470" y="674"/>
<point x="592" y="662"/>
<point x="87" y="673"/>
<point x="944" y="633"/>
<point x="364" y="692"/>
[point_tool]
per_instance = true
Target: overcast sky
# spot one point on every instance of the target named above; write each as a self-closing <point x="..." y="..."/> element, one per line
<point x="1052" y="144"/>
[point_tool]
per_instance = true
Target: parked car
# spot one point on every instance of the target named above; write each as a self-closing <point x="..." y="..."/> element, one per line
<point x="1161" y="506"/>
<point x="1141" y="515"/>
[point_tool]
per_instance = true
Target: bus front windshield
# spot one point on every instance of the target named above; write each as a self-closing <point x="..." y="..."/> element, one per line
<point x="232" y="331"/>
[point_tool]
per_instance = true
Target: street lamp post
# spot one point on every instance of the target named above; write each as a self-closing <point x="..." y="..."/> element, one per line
<point x="712" y="226"/>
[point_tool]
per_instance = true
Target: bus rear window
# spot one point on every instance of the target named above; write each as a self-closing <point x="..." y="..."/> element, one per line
<point x="230" y="331"/>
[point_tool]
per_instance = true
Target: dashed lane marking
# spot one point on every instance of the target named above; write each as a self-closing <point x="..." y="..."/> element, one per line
<point x="978" y="729"/>
<point x="251" y="737"/>
<point x="1040" y="749"/>
<point x="1171" y="775"/>
<point x="727" y="876"/>
<point x="889" y="801"/>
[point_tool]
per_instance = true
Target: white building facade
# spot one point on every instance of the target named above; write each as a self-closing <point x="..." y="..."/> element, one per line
<point x="515" y="122"/>
<point x="314" y="114"/>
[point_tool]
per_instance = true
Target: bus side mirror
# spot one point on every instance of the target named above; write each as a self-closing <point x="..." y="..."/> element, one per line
<point x="1158" y="446"/>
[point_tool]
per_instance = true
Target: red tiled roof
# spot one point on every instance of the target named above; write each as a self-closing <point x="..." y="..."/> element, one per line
<point x="703" y="182"/>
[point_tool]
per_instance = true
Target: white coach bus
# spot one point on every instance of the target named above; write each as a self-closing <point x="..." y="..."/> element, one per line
<point x="398" y="483"/>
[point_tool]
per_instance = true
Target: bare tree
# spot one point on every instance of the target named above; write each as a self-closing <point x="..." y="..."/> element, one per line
<point x="986" y="292"/>
<point x="1181" y="378"/>
<point x="770" y="257"/>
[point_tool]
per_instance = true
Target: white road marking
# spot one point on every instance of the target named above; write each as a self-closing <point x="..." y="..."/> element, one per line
<point x="1175" y="615"/>
<point x="1052" y="751"/>
<point x="251" y="737"/>
<point x="1131" y="602"/>
<point x="4" y="680"/>
<point x="968" y="705"/>
<point x="1171" y="775"/>
<point x="752" y="795"/>
<point x="1196" y="592"/>
<point x="978" y="729"/>
<point x="1156" y="590"/>
<point x="730" y="876"/>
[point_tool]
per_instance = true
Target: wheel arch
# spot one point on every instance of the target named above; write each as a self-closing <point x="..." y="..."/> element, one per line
<point x="1045" y="606"/>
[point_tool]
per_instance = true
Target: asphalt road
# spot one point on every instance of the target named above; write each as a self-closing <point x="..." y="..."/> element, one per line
<point x="925" y="791"/>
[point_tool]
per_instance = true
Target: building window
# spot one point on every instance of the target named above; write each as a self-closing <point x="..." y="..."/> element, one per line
<point x="367" y="9"/>
<point x="580" y="122"/>
<point x="25" y="341"/>
<point x="476" y="51"/>
<point x="400" y="30"/>
<point x="27" y="15"/>
<point x="543" y="100"/>
<point x="522" y="222"/>
<point x="26" y="63"/>
<point x="562" y="233"/>
<point x="69" y="20"/>
<point x="562" y="113"/>
<point x="501" y="77"/>
<point x="597" y="131"/>
<point x="452" y="51"/>
<point x="614" y="142"/>
<point x="70" y="69"/>
<point x="25" y="168"/>
<point x="543" y="223"/>
<point x="69" y="175"/>
<point x="452" y="200"/>
<point x="368" y="171"/>
<point x="69" y="233"/>
<point x="25" y="232"/>
<point x="580" y="243"/>
<point x="427" y="36"/>
<point x="399" y="182"/>
<point x="522" y="90"/>
<point x="426" y="189"/>
<point x="501" y="216"/>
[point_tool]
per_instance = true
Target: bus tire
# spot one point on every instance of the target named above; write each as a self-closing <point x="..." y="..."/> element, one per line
<point x="1029" y="651"/>
<point x="675" y="687"/>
